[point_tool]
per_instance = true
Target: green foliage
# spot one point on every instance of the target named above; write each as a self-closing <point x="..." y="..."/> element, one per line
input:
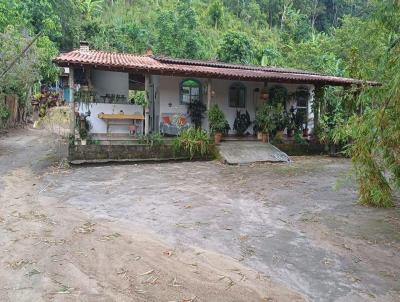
<point x="264" y="119"/>
<point x="4" y="113"/>
<point x="373" y="137"/>
<point x="216" y="13"/>
<point x="33" y="66"/>
<point x="151" y="139"/>
<point x="216" y="119"/>
<point x="138" y="98"/>
<point x="298" y="138"/>
<point x="90" y="8"/>
<point x="236" y="47"/>
<point x="280" y="117"/>
<point x="193" y="141"/>
<point x="278" y="95"/>
<point x="85" y="128"/>
<point x="242" y="122"/>
<point x="196" y="111"/>
<point x="333" y="118"/>
<point x="178" y="32"/>
<point x="296" y="120"/>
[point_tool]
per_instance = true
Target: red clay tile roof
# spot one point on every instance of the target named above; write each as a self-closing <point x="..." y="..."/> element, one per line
<point x="232" y="66"/>
<point x="194" y="68"/>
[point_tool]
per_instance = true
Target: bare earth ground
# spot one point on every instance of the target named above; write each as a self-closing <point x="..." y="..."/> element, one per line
<point x="193" y="231"/>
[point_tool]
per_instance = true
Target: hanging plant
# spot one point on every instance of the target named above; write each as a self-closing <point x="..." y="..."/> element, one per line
<point x="278" y="95"/>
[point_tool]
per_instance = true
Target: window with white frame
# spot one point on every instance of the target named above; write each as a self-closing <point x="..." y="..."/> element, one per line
<point x="302" y="97"/>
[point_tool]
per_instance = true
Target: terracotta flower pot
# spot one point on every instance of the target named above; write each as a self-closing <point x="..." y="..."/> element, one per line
<point x="259" y="136"/>
<point x="217" y="138"/>
<point x="265" y="137"/>
<point x="279" y="134"/>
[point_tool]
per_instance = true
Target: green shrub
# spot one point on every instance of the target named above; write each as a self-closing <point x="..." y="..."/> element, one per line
<point x="242" y="122"/>
<point x="196" y="111"/>
<point x="151" y="139"/>
<point x="84" y="131"/>
<point x="192" y="141"/>
<point x="138" y="98"/>
<point x="4" y="114"/>
<point x="216" y="120"/>
<point x="280" y="117"/>
<point x="264" y="119"/>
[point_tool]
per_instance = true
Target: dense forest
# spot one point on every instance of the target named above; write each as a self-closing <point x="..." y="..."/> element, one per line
<point x="352" y="38"/>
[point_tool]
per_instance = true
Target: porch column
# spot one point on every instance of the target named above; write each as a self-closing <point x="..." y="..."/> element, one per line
<point x="71" y="102"/>
<point x="146" y="110"/>
<point x="209" y="94"/>
<point x="209" y="89"/>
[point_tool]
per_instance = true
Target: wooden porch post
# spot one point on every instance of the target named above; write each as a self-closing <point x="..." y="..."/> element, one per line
<point x="317" y="104"/>
<point x="209" y="89"/>
<point x="146" y="110"/>
<point x="71" y="102"/>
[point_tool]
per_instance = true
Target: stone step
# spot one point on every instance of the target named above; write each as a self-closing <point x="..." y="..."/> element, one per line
<point x="246" y="152"/>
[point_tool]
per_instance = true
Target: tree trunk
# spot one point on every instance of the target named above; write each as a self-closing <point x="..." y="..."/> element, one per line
<point x="314" y="15"/>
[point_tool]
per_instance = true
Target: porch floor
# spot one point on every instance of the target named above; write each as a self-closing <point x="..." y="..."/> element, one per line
<point x="246" y="152"/>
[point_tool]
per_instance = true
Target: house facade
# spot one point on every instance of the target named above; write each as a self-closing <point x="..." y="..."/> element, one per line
<point x="109" y="84"/>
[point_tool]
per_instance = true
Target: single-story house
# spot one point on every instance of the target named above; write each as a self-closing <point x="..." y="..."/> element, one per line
<point x="105" y="82"/>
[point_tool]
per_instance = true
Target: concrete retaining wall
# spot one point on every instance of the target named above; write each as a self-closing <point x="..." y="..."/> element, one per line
<point x="299" y="149"/>
<point x="108" y="153"/>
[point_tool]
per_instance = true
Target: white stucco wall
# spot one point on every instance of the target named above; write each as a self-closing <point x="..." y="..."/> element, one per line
<point x="109" y="82"/>
<point x="100" y="126"/>
<point x="221" y="97"/>
<point x="166" y="98"/>
<point x="168" y="93"/>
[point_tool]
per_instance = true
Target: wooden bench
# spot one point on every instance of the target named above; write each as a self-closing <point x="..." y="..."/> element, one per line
<point x="109" y="118"/>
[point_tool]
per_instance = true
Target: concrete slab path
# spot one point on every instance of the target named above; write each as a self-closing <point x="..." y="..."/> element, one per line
<point x="246" y="152"/>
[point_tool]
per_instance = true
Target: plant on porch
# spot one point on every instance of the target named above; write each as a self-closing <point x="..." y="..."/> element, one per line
<point x="296" y="121"/>
<point x="278" y="95"/>
<point x="217" y="122"/>
<point x="265" y="122"/>
<point x="281" y="120"/>
<point x="196" y="111"/>
<point x="84" y="126"/>
<point x="242" y="122"/>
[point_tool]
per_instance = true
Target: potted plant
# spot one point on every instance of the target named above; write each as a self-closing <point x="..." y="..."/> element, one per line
<point x="216" y="120"/>
<point x="196" y="110"/>
<point x="281" y="120"/>
<point x="84" y="129"/>
<point x="264" y="122"/>
<point x="242" y="122"/>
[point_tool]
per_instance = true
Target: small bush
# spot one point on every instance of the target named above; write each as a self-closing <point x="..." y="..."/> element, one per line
<point x="216" y="120"/>
<point x="264" y="119"/>
<point x="193" y="141"/>
<point x="151" y="139"/>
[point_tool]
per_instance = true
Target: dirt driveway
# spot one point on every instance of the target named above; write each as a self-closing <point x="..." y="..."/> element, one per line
<point x="193" y="231"/>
